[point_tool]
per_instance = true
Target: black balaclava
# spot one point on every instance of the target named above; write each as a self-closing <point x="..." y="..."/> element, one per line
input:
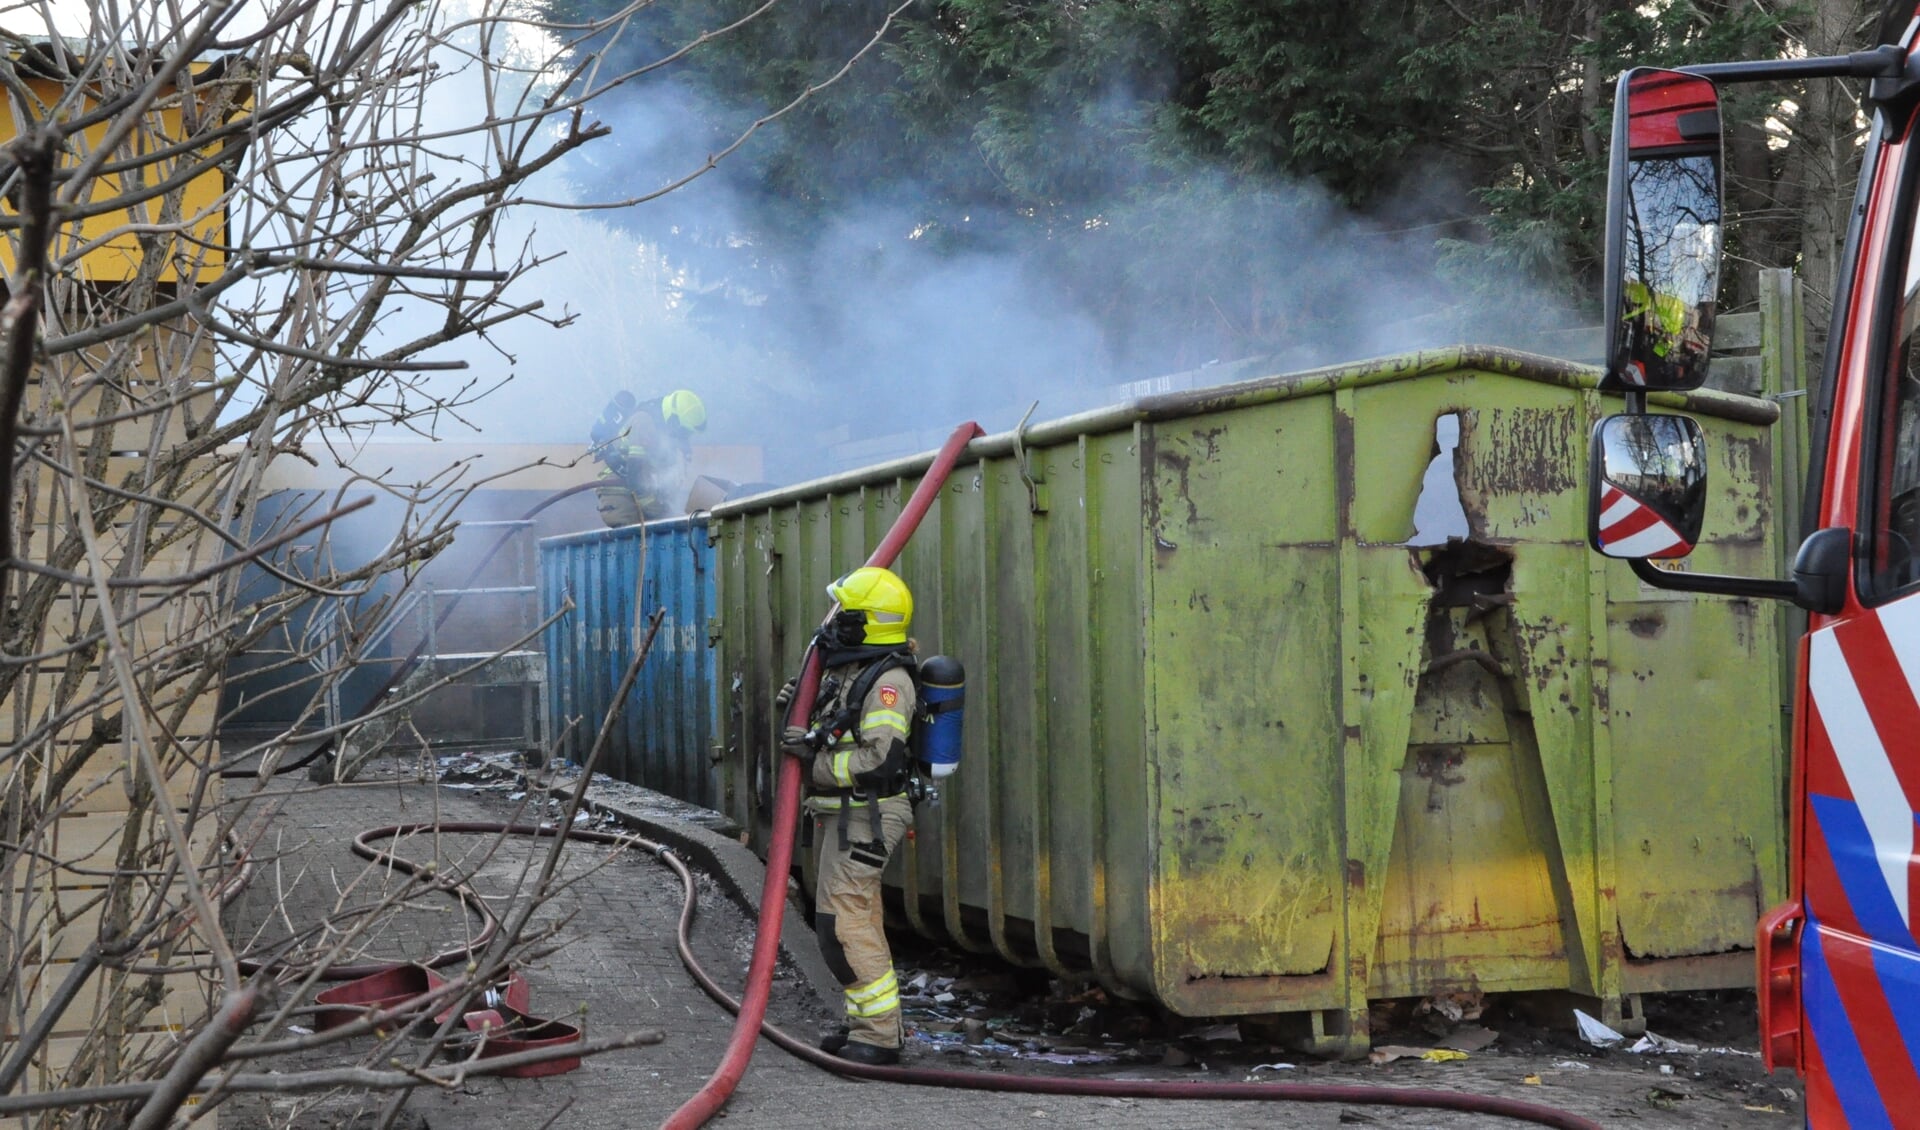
<point x="843" y="640"/>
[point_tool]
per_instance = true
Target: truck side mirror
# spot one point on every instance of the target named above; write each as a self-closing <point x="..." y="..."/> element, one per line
<point x="1822" y="568"/>
<point x="1647" y="489"/>
<point x="1663" y="231"/>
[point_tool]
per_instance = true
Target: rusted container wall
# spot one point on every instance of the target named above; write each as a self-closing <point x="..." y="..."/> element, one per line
<point x="1233" y="745"/>
<point x="616" y="579"/>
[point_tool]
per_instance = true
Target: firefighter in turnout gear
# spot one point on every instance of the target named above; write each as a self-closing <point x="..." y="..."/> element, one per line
<point x="858" y="807"/>
<point x="645" y="449"/>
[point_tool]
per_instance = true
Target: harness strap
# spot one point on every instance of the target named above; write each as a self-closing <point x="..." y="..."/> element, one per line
<point x="845" y="719"/>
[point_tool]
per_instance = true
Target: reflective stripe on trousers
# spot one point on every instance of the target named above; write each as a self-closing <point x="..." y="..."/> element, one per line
<point x="848" y="913"/>
<point x="876" y="998"/>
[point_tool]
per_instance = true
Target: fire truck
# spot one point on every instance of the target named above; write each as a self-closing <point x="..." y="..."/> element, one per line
<point x="1839" y="965"/>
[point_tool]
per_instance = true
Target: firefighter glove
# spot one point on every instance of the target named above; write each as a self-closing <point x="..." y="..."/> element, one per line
<point x="794" y="743"/>
<point x="785" y="698"/>
<point x="613" y="415"/>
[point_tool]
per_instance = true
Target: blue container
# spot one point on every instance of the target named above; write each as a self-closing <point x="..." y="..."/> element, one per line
<point x="616" y="579"/>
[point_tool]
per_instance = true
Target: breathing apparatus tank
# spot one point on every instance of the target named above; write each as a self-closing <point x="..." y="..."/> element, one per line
<point x="943" y="692"/>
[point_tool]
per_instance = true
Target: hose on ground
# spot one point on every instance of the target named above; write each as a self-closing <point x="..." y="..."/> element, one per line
<point x="1358" y="1094"/>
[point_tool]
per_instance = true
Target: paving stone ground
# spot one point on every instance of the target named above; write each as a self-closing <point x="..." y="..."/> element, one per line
<point x="615" y="921"/>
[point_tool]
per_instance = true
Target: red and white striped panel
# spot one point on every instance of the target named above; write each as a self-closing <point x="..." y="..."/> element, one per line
<point x="1861" y="677"/>
<point x="1630" y="528"/>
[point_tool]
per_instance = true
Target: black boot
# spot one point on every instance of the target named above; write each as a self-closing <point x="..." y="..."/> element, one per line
<point x="833" y="1043"/>
<point x="870" y="1054"/>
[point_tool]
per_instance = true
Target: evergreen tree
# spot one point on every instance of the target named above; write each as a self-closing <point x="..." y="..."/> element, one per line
<point x="1198" y="179"/>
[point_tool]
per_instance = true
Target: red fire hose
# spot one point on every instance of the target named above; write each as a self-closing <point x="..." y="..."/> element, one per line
<point x="786" y="819"/>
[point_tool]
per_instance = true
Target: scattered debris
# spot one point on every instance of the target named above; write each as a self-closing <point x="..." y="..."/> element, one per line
<point x="478" y="770"/>
<point x="1069" y="1059"/>
<point x="607" y="794"/>
<point x="1472" y="1038"/>
<point x="1454" y="1006"/>
<point x="1596" y="1033"/>
<point x="1667" y="1094"/>
<point x="1391" y="1052"/>
<point x="1651" y="1044"/>
<point x="959" y="1006"/>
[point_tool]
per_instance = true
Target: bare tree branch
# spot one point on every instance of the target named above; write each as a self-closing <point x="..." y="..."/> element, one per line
<point x="218" y="265"/>
<point x="297" y="1082"/>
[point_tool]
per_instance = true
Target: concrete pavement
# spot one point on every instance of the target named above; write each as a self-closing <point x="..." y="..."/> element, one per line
<point x="616" y="970"/>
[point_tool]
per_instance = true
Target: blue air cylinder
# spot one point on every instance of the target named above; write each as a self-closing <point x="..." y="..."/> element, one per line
<point x="943" y="685"/>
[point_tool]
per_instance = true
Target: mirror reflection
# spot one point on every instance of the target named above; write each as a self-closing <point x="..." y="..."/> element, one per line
<point x="1671" y="268"/>
<point x="1664" y="230"/>
<point x="1650" y="487"/>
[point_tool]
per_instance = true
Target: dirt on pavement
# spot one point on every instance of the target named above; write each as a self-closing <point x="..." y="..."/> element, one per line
<point x="616" y="970"/>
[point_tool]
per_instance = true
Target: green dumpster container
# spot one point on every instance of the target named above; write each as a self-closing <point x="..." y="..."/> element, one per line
<point x="1233" y="744"/>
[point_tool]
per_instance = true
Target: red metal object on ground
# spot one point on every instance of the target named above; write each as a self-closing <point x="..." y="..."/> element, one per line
<point x="391" y="988"/>
<point x="508" y="1031"/>
<point x="512" y="994"/>
<point x="378" y="992"/>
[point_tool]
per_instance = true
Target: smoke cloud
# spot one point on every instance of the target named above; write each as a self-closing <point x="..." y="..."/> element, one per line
<point x="869" y="340"/>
